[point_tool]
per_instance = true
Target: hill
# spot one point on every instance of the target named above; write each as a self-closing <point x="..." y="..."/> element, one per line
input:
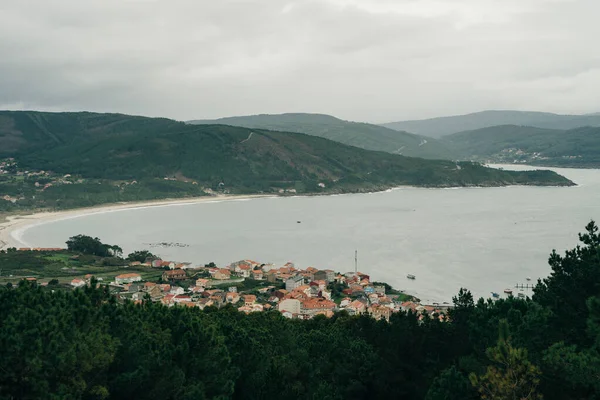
<point x="101" y="158"/>
<point x="574" y="148"/>
<point x="24" y="132"/>
<point x="358" y="134"/>
<point x="438" y="127"/>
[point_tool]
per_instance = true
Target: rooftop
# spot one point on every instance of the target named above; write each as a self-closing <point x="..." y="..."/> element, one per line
<point x="131" y="275"/>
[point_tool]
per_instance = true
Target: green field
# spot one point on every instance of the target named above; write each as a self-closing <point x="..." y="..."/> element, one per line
<point x="45" y="266"/>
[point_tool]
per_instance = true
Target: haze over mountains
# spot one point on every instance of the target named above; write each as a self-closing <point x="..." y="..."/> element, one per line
<point x="358" y="134"/>
<point x="500" y="136"/>
<point x="579" y="147"/>
<point x="441" y="126"/>
<point x="270" y="153"/>
<point x="118" y="147"/>
<point x="35" y="134"/>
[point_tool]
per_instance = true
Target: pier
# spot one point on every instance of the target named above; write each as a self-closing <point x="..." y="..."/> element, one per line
<point x="524" y="286"/>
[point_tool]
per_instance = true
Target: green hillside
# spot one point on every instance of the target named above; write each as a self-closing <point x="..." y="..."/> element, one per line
<point x="438" y="127"/>
<point x="90" y="159"/>
<point x="358" y="134"/>
<point x="575" y="148"/>
<point x="28" y="131"/>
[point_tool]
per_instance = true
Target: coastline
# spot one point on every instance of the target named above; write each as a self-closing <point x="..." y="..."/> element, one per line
<point x="12" y="230"/>
<point x="16" y="222"/>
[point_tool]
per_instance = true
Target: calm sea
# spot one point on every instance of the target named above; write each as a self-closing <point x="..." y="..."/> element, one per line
<point x="484" y="239"/>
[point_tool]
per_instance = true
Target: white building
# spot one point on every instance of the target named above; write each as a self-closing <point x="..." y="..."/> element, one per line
<point x="77" y="282"/>
<point x="294" y="282"/>
<point x="177" y="290"/>
<point x="128" y="278"/>
<point x="291" y="305"/>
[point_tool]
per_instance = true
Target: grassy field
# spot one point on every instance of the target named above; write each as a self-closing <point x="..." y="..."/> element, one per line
<point x="45" y="266"/>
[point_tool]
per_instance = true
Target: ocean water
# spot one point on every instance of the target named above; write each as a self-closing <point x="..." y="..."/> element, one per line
<point x="483" y="239"/>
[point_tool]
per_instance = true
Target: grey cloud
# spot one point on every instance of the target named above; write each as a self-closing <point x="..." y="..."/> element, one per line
<point x="372" y="60"/>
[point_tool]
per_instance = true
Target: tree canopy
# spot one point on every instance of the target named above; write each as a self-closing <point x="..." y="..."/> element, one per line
<point x="82" y="344"/>
<point x="93" y="246"/>
<point x="141" y="256"/>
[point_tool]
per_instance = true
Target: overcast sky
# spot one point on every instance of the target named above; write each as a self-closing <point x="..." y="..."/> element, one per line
<point x="366" y="60"/>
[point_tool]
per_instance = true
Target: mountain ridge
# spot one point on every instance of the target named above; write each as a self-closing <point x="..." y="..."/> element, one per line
<point x="358" y="134"/>
<point x="579" y="147"/>
<point x="91" y="158"/>
<point x="442" y="126"/>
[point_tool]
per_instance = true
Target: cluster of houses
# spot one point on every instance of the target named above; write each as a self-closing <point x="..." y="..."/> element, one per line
<point x="7" y="165"/>
<point x="47" y="179"/>
<point x="295" y="293"/>
<point x="518" y="156"/>
<point x="12" y="199"/>
<point x="307" y="294"/>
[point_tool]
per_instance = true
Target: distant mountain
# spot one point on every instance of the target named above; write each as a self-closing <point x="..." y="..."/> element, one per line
<point x="438" y="127"/>
<point x="358" y="134"/>
<point x="509" y="143"/>
<point x="167" y="158"/>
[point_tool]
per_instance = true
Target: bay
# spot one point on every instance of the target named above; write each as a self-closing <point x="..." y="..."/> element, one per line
<point x="483" y="239"/>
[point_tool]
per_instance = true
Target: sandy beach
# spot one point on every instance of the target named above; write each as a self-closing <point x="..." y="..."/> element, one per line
<point x="19" y="222"/>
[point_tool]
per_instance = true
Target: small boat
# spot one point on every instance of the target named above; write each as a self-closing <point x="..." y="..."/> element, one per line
<point x="528" y="279"/>
<point x="508" y="291"/>
<point x="298" y="222"/>
<point x="410" y="276"/>
<point x="495" y="295"/>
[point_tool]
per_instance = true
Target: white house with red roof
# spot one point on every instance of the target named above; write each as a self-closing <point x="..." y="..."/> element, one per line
<point x="128" y="278"/>
<point x="177" y="290"/>
<point x="257" y="274"/>
<point x="345" y="302"/>
<point x="232" y="297"/>
<point x="357" y="307"/>
<point x="243" y="270"/>
<point x="312" y="306"/>
<point x="201" y="282"/>
<point x="180" y="298"/>
<point x="77" y="283"/>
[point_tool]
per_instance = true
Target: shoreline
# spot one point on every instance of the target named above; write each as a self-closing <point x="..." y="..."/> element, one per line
<point x="16" y="222"/>
<point x="12" y="230"/>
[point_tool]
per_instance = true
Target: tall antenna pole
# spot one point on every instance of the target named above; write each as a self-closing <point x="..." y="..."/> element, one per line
<point x="355" y="261"/>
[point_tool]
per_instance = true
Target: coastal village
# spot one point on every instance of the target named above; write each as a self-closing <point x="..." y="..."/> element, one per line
<point x="254" y="287"/>
<point x="35" y="181"/>
<point x="31" y="183"/>
<point x="247" y="285"/>
<point x="43" y="179"/>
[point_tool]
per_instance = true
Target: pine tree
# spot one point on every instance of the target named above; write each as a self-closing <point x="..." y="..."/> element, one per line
<point x="511" y="376"/>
